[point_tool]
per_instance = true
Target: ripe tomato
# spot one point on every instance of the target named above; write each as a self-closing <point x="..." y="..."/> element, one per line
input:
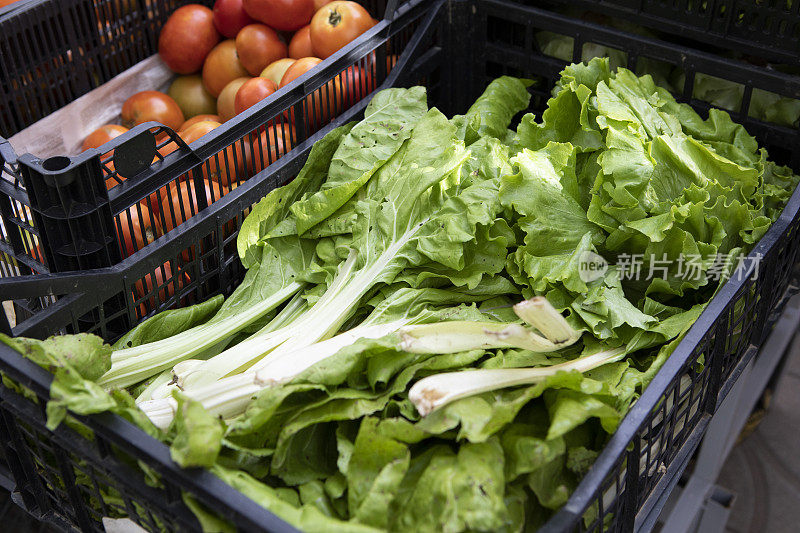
<point x="283" y="15"/>
<point x="319" y="3"/>
<point x="298" y="68"/>
<point x="226" y="103"/>
<point x="102" y="135"/>
<point x="253" y="91"/>
<point x="324" y="103"/>
<point x="151" y="105"/>
<point x="192" y="97"/>
<point x="300" y="45"/>
<point x="336" y="24"/>
<point x="199" y="118"/>
<point x="165" y="284"/>
<point x="276" y="70"/>
<point x="356" y="84"/>
<point x="136" y="228"/>
<point x="222" y="66"/>
<point x="179" y="204"/>
<point x="232" y="164"/>
<point x="187" y="38"/>
<point x="272" y="144"/>
<point x="230" y="17"/>
<point x="258" y="46"/>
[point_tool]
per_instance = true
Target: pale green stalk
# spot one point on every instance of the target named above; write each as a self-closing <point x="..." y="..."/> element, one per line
<point x="229" y="396"/>
<point x="132" y="365"/>
<point x="434" y="392"/>
<point x="319" y="323"/>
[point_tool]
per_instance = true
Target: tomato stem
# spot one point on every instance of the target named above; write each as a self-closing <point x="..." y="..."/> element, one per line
<point x="334" y="18"/>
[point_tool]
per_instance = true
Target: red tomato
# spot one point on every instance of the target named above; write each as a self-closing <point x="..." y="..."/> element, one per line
<point x="319" y="3"/>
<point x="187" y="38"/>
<point x="102" y="135"/>
<point x="336" y="24"/>
<point x="324" y="103"/>
<point x="199" y="118"/>
<point x="152" y="105"/>
<point x="258" y="46"/>
<point x="180" y="202"/>
<point x="283" y="15"/>
<point x="356" y="84"/>
<point x="253" y="91"/>
<point x="222" y="66"/>
<point x="229" y="165"/>
<point x="298" y="68"/>
<point x="230" y="17"/>
<point x="136" y="228"/>
<point x="272" y="144"/>
<point x="300" y="45"/>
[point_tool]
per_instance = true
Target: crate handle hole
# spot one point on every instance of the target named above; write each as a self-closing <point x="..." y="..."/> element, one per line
<point x="54" y="164"/>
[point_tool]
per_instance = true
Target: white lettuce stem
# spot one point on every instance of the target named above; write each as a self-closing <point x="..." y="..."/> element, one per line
<point x="541" y="314"/>
<point x="286" y="366"/>
<point x="460" y="336"/>
<point x="132" y="365"/>
<point x="318" y="323"/>
<point x="434" y="392"/>
<point x="242" y="356"/>
<point x="229" y="397"/>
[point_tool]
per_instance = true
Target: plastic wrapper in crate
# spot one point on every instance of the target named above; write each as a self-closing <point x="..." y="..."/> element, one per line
<point x="456" y="49"/>
<point x="63" y="213"/>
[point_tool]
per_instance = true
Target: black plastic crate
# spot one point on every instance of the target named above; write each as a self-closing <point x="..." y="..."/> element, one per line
<point x="767" y="29"/>
<point x="67" y="213"/>
<point x="456" y="49"/>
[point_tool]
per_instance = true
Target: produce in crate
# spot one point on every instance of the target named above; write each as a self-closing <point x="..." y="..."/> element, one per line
<point x="258" y="46"/>
<point x="187" y="38"/>
<point x="147" y="106"/>
<point x="252" y="92"/>
<point x="279" y="138"/>
<point x="192" y="97"/>
<point x="230" y="17"/>
<point x="199" y="118"/>
<point x="190" y="43"/>
<point x="300" y="45"/>
<point x="283" y="15"/>
<point x="336" y="24"/>
<point x="222" y="66"/>
<point x="226" y="103"/>
<point x="136" y="228"/>
<point x="102" y="135"/>
<point x="276" y="70"/>
<point x="419" y="318"/>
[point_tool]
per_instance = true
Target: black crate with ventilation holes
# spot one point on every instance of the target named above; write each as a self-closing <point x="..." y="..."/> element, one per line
<point x="92" y="467"/>
<point x="761" y="30"/>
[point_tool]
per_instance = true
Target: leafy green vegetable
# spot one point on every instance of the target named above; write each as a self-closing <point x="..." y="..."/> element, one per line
<point x="372" y="372"/>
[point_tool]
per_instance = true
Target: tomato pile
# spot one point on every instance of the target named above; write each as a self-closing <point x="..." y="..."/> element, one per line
<point x="228" y="59"/>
